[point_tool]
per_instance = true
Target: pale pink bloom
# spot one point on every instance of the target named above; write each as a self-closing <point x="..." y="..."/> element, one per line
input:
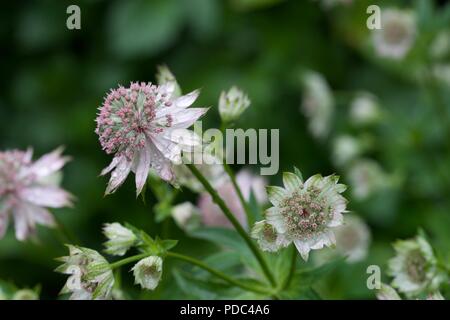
<point x="212" y="215"/>
<point x="145" y="126"/>
<point x="27" y="188"/>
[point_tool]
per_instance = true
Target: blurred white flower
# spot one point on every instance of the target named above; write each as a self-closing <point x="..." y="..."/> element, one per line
<point x="345" y="149"/>
<point x="397" y="34"/>
<point x="164" y="76"/>
<point x="353" y="238"/>
<point x="91" y="277"/>
<point x="212" y="215"/>
<point x="147" y="272"/>
<point x="120" y="239"/>
<point x="317" y="104"/>
<point x="366" y="177"/>
<point x="306" y="213"/>
<point x="440" y="47"/>
<point x="442" y="72"/>
<point x="267" y="237"/>
<point x="414" y="267"/>
<point x="364" y="110"/>
<point x="145" y="126"/>
<point x="186" y="216"/>
<point x="25" y="294"/>
<point x="27" y="188"/>
<point x="232" y="104"/>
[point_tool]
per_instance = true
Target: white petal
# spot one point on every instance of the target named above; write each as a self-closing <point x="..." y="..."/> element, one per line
<point x="23" y="225"/>
<point x="276" y="194"/>
<point x="167" y="149"/>
<point x="274" y="217"/>
<point x="302" y="248"/>
<point x="115" y="161"/>
<point x="291" y="181"/>
<point x="119" y="175"/>
<point x="187" y="100"/>
<point x="47" y="196"/>
<point x="143" y="167"/>
<point x="186" y="139"/>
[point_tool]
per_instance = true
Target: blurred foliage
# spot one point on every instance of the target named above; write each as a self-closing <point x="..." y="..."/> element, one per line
<point x="53" y="80"/>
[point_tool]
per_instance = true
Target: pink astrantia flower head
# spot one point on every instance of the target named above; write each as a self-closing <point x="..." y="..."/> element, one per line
<point x="27" y="188"/>
<point x="145" y="126"/>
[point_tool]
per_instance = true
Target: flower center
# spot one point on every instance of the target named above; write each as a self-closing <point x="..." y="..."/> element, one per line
<point x="304" y="213"/>
<point x="415" y="266"/>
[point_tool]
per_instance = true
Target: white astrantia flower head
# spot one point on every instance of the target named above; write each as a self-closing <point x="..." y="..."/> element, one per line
<point x="307" y="212"/>
<point x="353" y="238"/>
<point x="345" y="149"/>
<point x="386" y="292"/>
<point x="120" y="239"/>
<point x="28" y="188"/>
<point x="145" y="127"/>
<point x="186" y="216"/>
<point x="91" y="275"/>
<point x="366" y="177"/>
<point x="232" y="104"/>
<point x="364" y="110"/>
<point x="147" y="272"/>
<point x="165" y="76"/>
<point x="414" y="267"/>
<point x="397" y="34"/>
<point x="317" y="104"/>
<point x="267" y="237"/>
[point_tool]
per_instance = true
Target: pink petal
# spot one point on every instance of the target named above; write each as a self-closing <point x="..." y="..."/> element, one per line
<point x="23" y="225"/>
<point x="115" y="161"/>
<point x="187" y="117"/>
<point x="166" y="149"/>
<point x="160" y="164"/>
<point x="49" y="163"/>
<point x="119" y="175"/>
<point x="47" y="196"/>
<point x="143" y="167"/>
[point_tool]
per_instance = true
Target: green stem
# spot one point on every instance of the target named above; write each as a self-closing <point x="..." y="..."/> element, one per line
<point x="290" y="276"/>
<point x="217" y="273"/>
<point x="128" y="260"/>
<point x="250" y="220"/>
<point x="218" y="200"/>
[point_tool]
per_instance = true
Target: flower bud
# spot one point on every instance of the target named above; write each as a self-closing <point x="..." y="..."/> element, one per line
<point x="147" y="272"/>
<point x="164" y="76"/>
<point x="232" y="104"/>
<point x="120" y="239"/>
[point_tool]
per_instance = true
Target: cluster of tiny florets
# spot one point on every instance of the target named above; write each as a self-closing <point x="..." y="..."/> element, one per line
<point x="128" y="115"/>
<point x="10" y="164"/>
<point x="415" y="266"/>
<point x="304" y="214"/>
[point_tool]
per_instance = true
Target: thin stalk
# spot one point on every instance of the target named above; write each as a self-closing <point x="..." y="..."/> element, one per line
<point x="217" y="273"/>
<point x="128" y="260"/>
<point x="250" y="220"/>
<point x="292" y="269"/>
<point x="219" y="201"/>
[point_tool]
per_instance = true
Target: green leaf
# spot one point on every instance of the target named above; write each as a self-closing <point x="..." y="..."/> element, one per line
<point x="255" y="209"/>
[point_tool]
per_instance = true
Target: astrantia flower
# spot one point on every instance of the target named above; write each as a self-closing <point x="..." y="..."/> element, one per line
<point x="232" y="104"/>
<point x="345" y="149"/>
<point x="120" y="239"/>
<point x="364" y="110"/>
<point x="353" y="238"/>
<point x="145" y="127"/>
<point x="305" y="213"/>
<point x="27" y="188"/>
<point x="91" y="275"/>
<point x="397" y="33"/>
<point x="318" y="103"/>
<point x="186" y="216"/>
<point x="212" y="215"/>
<point x="414" y="268"/>
<point x="267" y="236"/>
<point x="366" y="178"/>
<point x="147" y="272"/>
